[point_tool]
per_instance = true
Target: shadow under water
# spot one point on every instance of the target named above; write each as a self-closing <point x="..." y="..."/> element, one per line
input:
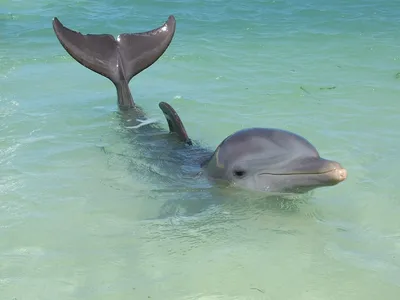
<point x="173" y="168"/>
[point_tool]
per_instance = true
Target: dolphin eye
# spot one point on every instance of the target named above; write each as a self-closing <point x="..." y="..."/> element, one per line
<point x="239" y="173"/>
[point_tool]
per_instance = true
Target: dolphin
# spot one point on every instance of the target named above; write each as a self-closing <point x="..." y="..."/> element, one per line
<point x="256" y="159"/>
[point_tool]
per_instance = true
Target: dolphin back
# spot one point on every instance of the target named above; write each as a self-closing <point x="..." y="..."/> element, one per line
<point x="117" y="59"/>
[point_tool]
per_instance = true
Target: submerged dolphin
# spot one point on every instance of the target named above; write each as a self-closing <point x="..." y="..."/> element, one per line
<point x="260" y="159"/>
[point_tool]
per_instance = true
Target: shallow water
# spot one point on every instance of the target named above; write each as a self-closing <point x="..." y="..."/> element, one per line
<point x="79" y="204"/>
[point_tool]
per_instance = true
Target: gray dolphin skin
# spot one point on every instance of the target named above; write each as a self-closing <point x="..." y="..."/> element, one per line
<point x="121" y="59"/>
<point x="273" y="160"/>
<point x="258" y="159"/>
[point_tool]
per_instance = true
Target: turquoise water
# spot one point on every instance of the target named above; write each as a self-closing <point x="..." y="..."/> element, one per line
<point x="79" y="207"/>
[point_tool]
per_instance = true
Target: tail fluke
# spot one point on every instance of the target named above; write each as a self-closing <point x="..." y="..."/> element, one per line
<point x="117" y="59"/>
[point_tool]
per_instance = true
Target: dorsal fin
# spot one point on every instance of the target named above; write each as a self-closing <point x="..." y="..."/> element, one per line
<point x="174" y="122"/>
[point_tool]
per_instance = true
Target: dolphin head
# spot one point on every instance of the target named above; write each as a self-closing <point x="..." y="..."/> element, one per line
<point x="271" y="160"/>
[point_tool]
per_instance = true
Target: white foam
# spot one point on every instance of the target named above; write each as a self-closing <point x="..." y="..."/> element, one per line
<point x="143" y="123"/>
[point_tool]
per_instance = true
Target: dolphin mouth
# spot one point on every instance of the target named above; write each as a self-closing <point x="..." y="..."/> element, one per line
<point x="334" y="174"/>
<point x="315" y="169"/>
<point x="342" y="171"/>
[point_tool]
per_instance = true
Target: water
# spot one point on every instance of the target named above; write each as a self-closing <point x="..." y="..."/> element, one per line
<point x="78" y="206"/>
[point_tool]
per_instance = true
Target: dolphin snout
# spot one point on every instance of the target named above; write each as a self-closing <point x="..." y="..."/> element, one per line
<point x="339" y="175"/>
<point x="336" y="172"/>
